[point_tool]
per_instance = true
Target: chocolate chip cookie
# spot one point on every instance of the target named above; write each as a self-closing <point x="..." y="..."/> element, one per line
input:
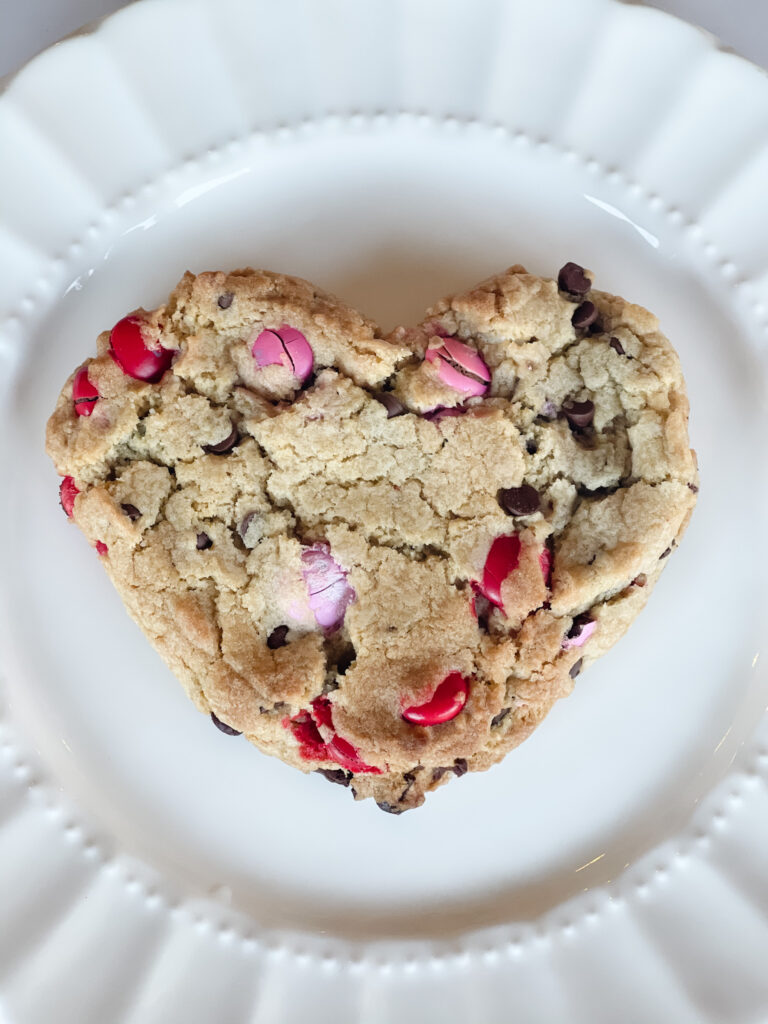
<point x="381" y="558"/>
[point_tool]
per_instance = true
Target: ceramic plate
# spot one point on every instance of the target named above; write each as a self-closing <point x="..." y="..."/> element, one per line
<point x="614" y="867"/>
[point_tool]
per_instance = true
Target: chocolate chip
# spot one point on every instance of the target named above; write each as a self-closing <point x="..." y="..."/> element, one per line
<point x="393" y="405"/>
<point x="337" y="775"/>
<point x="579" y="414"/>
<point x="578" y="625"/>
<point x="520" y="501"/>
<point x="203" y="542"/>
<point x="531" y="447"/>
<point x="277" y="638"/>
<point x="225" y="300"/>
<point x="640" y="581"/>
<point x="222" y="447"/>
<point x="694" y="488"/>
<point x="345" y="660"/>
<point x="664" y="554"/>
<point x="498" y="719"/>
<point x="617" y="346"/>
<point x="384" y="805"/>
<point x="438" y="773"/>
<point x="460" y="767"/>
<point x="572" y="279"/>
<point x="584" y="316"/>
<point x="245" y="524"/>
<point x="131" y="511"/>
<point x="576" y="668"/>
<point x="226" y="729"/>
<point x="483" y="609"/>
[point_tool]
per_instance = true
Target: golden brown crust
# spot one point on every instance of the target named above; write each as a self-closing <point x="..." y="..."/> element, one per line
<point x="211" y="566"/>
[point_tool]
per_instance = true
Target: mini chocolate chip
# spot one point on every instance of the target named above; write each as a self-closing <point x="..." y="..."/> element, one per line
<point x="576" y="668"/>
<point x="531" y="447"/>
<point x="438" y="773"/>
<point x="222" y="447"/>
<point x="226" y="729"/>
<point x="694" y="488"/>
<point x="245" y="524"/>
<point x="392" y="404"/>
<point x="345" y="660"/>
<point x="337" y="775"/>
<point x="584" y="316"/>
<point x="579" y="414"/>
<point x="460" y="767"/>
<point x="664" y="554"/>
<point x="640" y="581"/>
<point x="617" y="346"/>
<point x="203" y="542"/>
<point x="277" y="638"/>
<point x="385" y="805"/>
<point x="520" y="501"/>
<point x="131" y="511"/>
<point x="578" y="624"/>
<point x="498" y="719"/>
<point x="225" y="300"/>
<point x="572" y="279"/>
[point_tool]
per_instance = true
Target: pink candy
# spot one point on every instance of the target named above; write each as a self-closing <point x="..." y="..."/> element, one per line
<point x="329" y="592"/>
<point x="138" y="354"/>
<point x="445" y="703"/>
<point x="585" y="632"/>
<point x="460" y="367"/>
<point x="436" y="415"/>
<point x="286" y="347"/>
<point x="545" y="561"/>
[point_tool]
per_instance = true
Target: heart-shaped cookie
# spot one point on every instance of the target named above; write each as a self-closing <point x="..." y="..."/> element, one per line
<point x="380" y="558"/>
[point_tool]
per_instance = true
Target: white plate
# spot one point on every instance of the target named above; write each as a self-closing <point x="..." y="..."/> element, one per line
<point x="613" y="868"/>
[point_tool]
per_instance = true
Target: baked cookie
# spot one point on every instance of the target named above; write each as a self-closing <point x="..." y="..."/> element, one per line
<point x="382" y="559"/>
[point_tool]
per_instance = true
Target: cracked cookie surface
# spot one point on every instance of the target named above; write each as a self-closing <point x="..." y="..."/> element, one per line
<point x="380" y="558"/>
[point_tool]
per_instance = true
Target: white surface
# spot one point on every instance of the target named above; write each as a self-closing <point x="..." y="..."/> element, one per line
<point x="612" y="868"/>
<point x="27" y="28"/>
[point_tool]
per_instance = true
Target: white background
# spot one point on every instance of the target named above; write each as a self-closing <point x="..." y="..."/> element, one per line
<point x="28" y="26"/>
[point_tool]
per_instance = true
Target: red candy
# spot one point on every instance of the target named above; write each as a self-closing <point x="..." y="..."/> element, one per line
<point x="101" y="548"/>
<point x="306" y="728"/>
<point x="343" y="753"/>
<point x="137" y="358"/>
<point x="307" y="735"/>
<point x="84" y="393"/>
<point x="503" y="559"/>
<point x="67" y="494"/>
<point x="444" y="704"/>
<point x="321" y="711"/>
